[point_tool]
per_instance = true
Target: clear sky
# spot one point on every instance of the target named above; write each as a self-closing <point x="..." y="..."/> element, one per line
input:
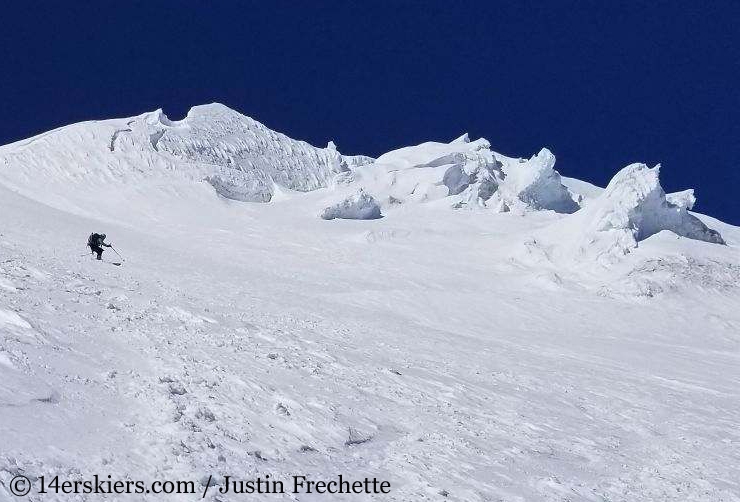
<point x="602" y="84"/>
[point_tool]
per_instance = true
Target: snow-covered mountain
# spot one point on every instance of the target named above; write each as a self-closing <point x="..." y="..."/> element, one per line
<point x="464" y="324"/>
<point x="241" y="158"/>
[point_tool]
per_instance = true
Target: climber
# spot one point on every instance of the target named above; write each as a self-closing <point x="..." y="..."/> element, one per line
<point x="95" y="243"/>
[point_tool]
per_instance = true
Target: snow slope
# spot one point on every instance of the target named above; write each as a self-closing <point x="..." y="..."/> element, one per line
<point x="473" y="352"/>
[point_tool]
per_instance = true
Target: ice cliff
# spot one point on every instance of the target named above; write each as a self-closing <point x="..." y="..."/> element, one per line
<point x="467" y="174"/>
<point x="632" y="208"/>
<point x="241" y="158"/>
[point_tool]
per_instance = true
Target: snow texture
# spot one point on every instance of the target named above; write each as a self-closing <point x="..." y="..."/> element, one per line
<point x="470" y="355"/>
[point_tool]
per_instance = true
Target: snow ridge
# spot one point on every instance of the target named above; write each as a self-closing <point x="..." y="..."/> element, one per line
<point x="240" y="157"/>
<point x="247" y="158"/>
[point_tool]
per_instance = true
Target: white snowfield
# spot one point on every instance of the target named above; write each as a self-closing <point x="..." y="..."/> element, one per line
<point x="500" y="333"/>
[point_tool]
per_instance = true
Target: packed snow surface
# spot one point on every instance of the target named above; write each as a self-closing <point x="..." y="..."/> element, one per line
<point x="501" y="333"/>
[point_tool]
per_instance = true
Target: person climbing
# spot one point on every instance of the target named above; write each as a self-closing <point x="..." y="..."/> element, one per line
<point x="96" y="242"/>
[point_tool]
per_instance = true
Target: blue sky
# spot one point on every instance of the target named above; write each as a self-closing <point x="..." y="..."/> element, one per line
<point x="602" y="84"/>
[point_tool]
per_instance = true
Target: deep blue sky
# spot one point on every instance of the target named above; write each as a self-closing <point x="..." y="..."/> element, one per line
<point x="600" y="84"/>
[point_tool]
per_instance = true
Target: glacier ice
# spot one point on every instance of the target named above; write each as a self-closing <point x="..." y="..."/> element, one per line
<point x="358" y="206"/>
<point x="536" y="183"/>
<point x="247" y="158"/>
<point x="685" y="199"/>
<point x="472" y="174"/>
<point x="241" y="158"/>
<point x="634" y="203"/>
<point x="630" y="209"/>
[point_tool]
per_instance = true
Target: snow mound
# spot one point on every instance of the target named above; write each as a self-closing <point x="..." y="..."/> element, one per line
<point x="434" y="154"/>
<point x="466" y="174"/>
<point x="358" y="206"/>
<point x="673" y="274"/>
<point x="424" y="173"/>
<point x="632" y="208"/>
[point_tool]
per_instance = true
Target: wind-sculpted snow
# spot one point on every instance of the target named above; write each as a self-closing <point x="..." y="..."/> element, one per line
<point x="358" y="206"/>
<point x="632" y="208"/>
<point x="536" y="183"/>
<point x="241" y="158"/>
<point x="244" y="339"/>
<point x="685" y="199"/>
<point x="248" y="159"/>
<point x="467" y="167"/>
<point x="470" y="174"/>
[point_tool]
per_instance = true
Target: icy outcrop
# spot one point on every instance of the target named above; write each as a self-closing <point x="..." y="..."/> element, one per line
<point x="431" y="171"/>
<point x="473" y="176"/>
<point x="685" y="199"/>
<point x="241" y="188"/>
<point x="247" y="158"/>
<point x="239" y="157"/>
<point x="635" y="203"/>
<point x="632" y="208"/>
<point x="537" y="184"/>
<point x="350" y="161"/>
<point x="358" y="206"/>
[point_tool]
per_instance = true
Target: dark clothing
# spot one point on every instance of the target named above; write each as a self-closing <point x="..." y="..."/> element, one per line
<point x="96" y="243"/>
<point x="98" y="250"/>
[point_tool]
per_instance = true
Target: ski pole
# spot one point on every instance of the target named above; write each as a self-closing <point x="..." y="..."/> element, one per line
<point x="119" y="254"/>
